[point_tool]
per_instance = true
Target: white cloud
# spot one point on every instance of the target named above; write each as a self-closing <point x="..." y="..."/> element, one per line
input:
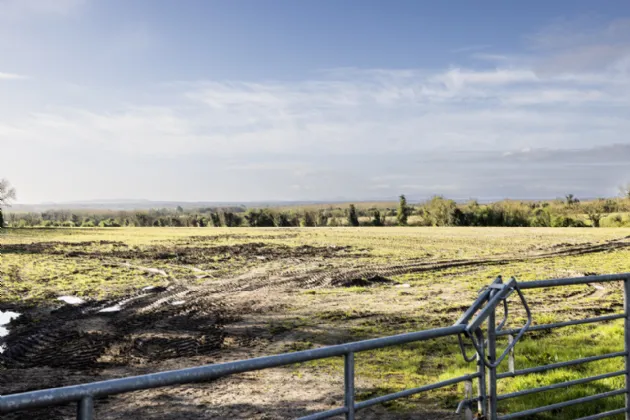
<point x="546" y="98"/>
<point x="11" y="76"/>
<point x="458" y="109"/>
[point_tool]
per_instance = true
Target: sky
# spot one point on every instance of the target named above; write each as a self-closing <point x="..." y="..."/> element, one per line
<point x="254" y="100"/>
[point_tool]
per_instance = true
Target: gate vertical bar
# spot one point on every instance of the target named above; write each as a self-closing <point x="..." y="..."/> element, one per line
<point x="482" y="404"/>
<point x="349" y="385"/>
<point x="85" y="409"/>
<point x="492" y="356"/>
<point x="626" y="337"/>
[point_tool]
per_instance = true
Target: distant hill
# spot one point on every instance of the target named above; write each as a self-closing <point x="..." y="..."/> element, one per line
<point x="141" y="204"/>
<point x="149" y="204"/>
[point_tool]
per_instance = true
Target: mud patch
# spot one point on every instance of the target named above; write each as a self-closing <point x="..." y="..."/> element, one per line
<point x="141" y="329"/>
<point x="367" y="281"/>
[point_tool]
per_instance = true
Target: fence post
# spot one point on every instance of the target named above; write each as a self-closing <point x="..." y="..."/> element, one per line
<point x="85" y="408"/>
<point x="492" y="356"/>
<point x="626" y="337"/>
<point x="348" y="373"/>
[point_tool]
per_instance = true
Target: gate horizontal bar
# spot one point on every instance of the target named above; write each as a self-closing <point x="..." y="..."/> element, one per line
<point x="604" y="415"/>
<point x="326" y="414"/>
<point x="409" y="392"/>
<point x="563" y="324"/>
<point x="562" y="404"/>
<point x="573" y="281"/>
<point x="560" y="385"/>
<point x="207" y="372"/>
<point x="560" y="365"/>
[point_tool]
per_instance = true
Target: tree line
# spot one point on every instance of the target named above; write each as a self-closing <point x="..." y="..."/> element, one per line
<point x="569" y="211"/>
<point x="438" y="211"/>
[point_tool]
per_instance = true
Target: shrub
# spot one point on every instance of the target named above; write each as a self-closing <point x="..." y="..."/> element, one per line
<point x="259" y="218"/>
<point x="440" y="211"/>
<point x="403" y="211"/>
<point x="377" y="219"/>
<point x="566" y="221"/>
<point x="307" y="219"/>
<point x="541" y="218"/>
<point x="353" y="219"/>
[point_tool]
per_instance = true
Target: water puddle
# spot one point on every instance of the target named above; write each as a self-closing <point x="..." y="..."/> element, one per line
<point x="115" y="308"/>
<point x="5" y="318"/>
<point x="71" y="300"/>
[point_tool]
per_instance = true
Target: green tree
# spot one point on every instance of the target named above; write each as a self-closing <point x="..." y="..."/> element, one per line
<point x="216" y="219"/>
<point x="307" y="219"/>
<point x="595" y="210"/>
<point x="259" y="218"/>
<point x="403" y="211"/>
<point x="441" y="211"/>
<point x="377" y="218"/>
<point x="353" y="219"/>
<point x="322" y="218"/>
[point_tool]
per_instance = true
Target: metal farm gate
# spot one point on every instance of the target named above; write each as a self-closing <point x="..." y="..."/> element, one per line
<point x="469" y="328"/>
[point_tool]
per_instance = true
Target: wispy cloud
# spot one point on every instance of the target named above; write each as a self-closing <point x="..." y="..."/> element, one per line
<point x="11" y="76"/>
<point x="329" y="133"/>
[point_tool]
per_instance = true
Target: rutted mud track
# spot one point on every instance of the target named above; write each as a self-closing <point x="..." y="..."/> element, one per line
<point x="184" y="318"/>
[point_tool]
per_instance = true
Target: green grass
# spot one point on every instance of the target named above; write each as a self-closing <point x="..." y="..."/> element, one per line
<point x="315" y="317"/>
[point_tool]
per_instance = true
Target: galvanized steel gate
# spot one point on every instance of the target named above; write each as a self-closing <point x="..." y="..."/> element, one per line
<point x="468" y="329"/>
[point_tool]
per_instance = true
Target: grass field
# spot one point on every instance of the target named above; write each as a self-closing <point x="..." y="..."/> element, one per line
<point x="182" y="297"/>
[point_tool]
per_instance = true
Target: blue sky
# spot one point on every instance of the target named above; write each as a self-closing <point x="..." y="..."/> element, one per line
<point x="313" y="100"/>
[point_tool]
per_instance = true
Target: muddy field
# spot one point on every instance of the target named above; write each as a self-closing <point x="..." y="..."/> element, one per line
<point x="98" y="304"/>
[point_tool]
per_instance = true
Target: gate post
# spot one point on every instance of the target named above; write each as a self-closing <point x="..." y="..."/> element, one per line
<point x="626" y="337"/>
<point x="348" y="373"/>
<point x="492" y="357"/>
<point x="482" y="404"/>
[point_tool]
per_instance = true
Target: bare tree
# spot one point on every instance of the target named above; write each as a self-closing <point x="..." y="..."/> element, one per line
<point x="624" y="190"/>
<point x="570" y="199"/>
<point x="7" y="193"/>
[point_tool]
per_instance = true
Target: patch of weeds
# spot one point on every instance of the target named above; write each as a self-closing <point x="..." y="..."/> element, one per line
<point x="299" y="346"/>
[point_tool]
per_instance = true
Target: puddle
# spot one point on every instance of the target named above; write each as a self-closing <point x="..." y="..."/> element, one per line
<point x="115" y="308"/>
<point x="71" y="300"/>
<point x="5" y="318"/>
<point x="178" y="302"/>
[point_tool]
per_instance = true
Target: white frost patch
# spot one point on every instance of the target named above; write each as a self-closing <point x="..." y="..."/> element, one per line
<point x="178" y="302"/>
<point x="406" y="285"/>
<point x="115" y="308"/>
<point x="71" y="300"/>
